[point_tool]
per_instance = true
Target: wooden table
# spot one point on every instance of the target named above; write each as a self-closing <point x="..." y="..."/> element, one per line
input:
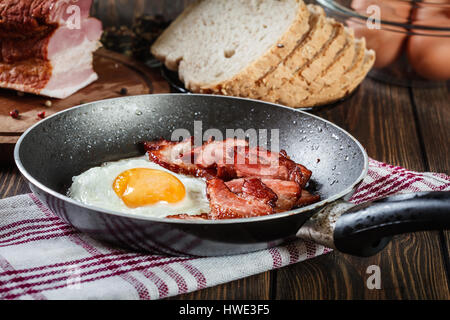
<point x="401" y="126"/>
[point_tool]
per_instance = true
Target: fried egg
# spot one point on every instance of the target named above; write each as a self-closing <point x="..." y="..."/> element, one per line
<point x="139" y="186"/>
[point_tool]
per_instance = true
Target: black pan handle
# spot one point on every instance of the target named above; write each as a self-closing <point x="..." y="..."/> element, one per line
<point x="365" y="229"/>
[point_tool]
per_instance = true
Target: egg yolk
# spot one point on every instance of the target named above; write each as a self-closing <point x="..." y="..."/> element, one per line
<point x="142" y="186"/>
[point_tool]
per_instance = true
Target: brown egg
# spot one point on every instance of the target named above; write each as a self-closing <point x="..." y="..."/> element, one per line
<point x="427" y="12"/>
<point x="429" y="55"/>
<point x="387" y="44"/>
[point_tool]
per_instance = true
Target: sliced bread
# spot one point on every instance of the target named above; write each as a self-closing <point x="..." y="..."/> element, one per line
<point x="278" y="51"/>
<point x="318" y="33"/>
<point x="341" y="80"/>
<point x="209" y="52"/>
<point x="342" y="62"/>
<point x="288" y="74"/>
<point x="369" y="60"/>
<point x="337" y="55"/>
<point x="347" y="83"/>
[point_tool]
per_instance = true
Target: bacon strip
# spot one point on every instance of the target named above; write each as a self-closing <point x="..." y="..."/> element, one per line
<point x="228" y="159"/>
<point x="225" y="204"/>
<point x="212" y="159"/>
<point x="258" y="182"/>
<point x="254" y="188"/>
<point x="307" y="199"/>
<point x="217" y="153"/>
<point x="172" y="156"/>
<point x="258" y="162"/>
<point x="184" y="216"/>
<point x="288" y="192"/>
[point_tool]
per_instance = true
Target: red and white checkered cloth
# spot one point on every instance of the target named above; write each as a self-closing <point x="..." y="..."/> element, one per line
<point x="41" y="257"/>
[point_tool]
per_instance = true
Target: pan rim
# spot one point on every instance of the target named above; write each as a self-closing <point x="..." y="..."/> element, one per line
<point x="279" y="215"/>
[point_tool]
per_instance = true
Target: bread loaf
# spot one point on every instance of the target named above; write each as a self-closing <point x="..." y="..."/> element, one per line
<point x="215" y="42"/>
<point x="277" y="51"/>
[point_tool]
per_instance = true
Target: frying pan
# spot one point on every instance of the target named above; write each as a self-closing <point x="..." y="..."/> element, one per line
<point x="66" y="144"/>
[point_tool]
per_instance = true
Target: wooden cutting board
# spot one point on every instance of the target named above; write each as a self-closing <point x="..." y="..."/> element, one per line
<point x="115" y="72"/>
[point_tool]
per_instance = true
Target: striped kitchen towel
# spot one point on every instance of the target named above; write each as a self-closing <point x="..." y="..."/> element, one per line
<point x="41" y="257"/>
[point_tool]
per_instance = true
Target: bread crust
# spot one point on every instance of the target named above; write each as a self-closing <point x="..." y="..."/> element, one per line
<point x="291" y="82"/>
<point x="314" y="39"/>
<point x="313" y="76"/>
<point x="352" y="80"/>
<point x="291" y="39"/>
<point x="341" y="80"/>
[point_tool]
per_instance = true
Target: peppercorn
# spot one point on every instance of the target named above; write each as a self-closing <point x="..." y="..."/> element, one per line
<point x="14" y="113"/>
<point x="123" y="91"/>
<point x="48" y="103"/>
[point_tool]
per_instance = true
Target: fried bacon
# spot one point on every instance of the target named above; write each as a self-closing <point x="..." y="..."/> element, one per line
<point x="307" y="199"/>
<point x="227" y="159"/>
<point x="242" y="181"/>
<point x="258" y="162"/>
<point x="217" y="153"/>
<point x="184" y="216"/>
<point x="217" y="156"/>
<point x="212" y="159"/>
<point x="254" y="188"/>
<point x="252" y="202"/>
<point x="288" y="192"/>
<point x="172" y="156"/>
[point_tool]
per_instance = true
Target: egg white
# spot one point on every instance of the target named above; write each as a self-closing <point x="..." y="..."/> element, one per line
<point x="94" y="187"/>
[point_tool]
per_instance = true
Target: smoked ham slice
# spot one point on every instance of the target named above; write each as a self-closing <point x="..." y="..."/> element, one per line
<point x="44" y="49"/>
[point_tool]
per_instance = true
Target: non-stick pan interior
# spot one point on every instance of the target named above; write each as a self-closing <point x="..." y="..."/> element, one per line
<point x="73" y="141"/>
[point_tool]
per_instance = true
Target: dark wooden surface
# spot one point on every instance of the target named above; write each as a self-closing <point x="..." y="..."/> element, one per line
<point x="401" y="126"/>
